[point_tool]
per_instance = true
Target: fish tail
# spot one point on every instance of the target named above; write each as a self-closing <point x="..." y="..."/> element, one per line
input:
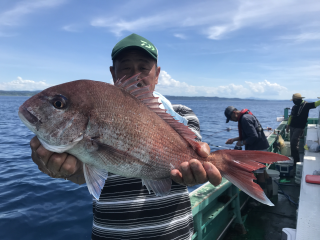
<point x="237" y="167"/>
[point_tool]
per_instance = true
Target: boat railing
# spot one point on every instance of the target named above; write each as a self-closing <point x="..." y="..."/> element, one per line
<point x="214" y="209"/>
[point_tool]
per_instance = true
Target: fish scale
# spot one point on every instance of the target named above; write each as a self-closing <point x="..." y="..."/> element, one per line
<point x="121" y="129"/>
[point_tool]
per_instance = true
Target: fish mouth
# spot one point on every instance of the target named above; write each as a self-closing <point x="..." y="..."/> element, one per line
<point x="24" y="114"/>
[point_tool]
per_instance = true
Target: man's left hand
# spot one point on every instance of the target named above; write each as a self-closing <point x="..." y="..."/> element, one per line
<point x="193" y="172"/>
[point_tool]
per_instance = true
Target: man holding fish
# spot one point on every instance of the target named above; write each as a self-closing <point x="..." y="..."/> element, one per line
<point x="131" y="138"/>
<point x="139" y="214"/>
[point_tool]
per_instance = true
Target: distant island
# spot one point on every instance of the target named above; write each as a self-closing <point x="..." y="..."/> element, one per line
<point x="215" y="98"/>
<point x="18" y="93"/>
<point x="31" y="93"/>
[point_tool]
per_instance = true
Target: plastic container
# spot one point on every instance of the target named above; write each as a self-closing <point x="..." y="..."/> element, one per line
<point x="299" y="168"/>
<point x="285" y="168"/>
<point x="301" y="156"/>
<point x="286" y="150"/>
<point x="297" y="180"/>
<point x="280" y="119"/>
<point x="275" y="175"/>
<point x="275" y="186"/>
<point x="288" y="234"/>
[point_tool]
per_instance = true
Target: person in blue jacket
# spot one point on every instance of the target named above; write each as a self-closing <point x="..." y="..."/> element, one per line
<point x="251" y="136"/>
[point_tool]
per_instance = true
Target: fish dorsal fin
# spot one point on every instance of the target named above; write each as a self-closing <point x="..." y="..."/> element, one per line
<point x="146" y="96"/>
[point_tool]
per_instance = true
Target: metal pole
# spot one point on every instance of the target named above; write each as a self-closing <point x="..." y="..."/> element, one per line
<point x="226" y="228"/>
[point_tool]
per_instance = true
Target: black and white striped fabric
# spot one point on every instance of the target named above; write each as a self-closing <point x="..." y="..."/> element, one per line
<point x="193" y="121"/>
<point x="127" y="211"/>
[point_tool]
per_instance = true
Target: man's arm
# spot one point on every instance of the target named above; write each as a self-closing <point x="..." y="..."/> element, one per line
<point x="231" y="140"/>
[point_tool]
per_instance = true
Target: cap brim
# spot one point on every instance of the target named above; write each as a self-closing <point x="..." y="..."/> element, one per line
<point x="296" y="98"/>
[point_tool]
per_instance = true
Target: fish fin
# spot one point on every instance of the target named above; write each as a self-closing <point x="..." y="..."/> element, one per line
<point x="95" y="179"/>
<point x="237" y="167"/>
<point x="146" y="96"/>
<point x="160" y="187"/>
<point x="246" y="184"/>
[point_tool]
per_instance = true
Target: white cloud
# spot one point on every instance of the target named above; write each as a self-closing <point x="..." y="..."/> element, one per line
<point x="70" y="28"/>
<point x="118" y="25"/>
<point x="169" y="86"/>
<point x="15" y="15"/>
<point x="216" y="32"/>
<point x="266" y="87"/>
<point x="302" y="37"/>
<point x="215" y="19"/>
<point x="23" y="85"/>
<point x="179" y="35"/>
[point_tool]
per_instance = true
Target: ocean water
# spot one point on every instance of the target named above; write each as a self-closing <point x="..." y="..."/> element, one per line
<point x="35" y="206"/>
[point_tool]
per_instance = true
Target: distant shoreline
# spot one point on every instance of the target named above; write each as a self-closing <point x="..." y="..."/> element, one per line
<point x="31" y="93"/>
<point x="216" y="98"/>
<point x="18" y="93"/>
<point x="194" y="98"/>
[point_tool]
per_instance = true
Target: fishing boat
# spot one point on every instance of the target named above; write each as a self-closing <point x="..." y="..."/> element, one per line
<point x="225" y="212"/>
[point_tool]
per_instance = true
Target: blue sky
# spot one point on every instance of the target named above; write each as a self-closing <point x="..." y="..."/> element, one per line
<point x="264" y="49"/>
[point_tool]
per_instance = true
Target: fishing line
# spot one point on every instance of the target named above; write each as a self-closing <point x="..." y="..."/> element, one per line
<point x="211" y="145"/>
<point x="286" y="195"/>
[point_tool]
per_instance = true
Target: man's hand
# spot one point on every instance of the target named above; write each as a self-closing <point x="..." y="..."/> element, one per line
<point x="230" y="141"/>
<point x="239" y="143"/>
<point x="56" y="165"/>
<point x="193" y="172"/>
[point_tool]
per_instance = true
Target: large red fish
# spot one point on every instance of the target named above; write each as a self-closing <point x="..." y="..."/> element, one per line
<point x="121" y="129"/>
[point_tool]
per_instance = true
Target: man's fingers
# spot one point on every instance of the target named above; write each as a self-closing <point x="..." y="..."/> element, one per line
<point x="43" y="154"/>
<point x="188" y="177"/>
<point x="213" y="173"/>
<point x="70" y="166"/>
<point x="198" y="171"/>
<point x="229" y="141"/>
<point x="176" y="176"/>
<point x="39" y="163"/>
<point x="34" y="143"/>
<point x="204" y="151"/>
<point x="39" y="155"/>
<point x="55" y="162"/>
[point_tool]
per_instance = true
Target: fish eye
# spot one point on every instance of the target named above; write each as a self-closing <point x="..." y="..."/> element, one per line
<point x="59" y="102"/>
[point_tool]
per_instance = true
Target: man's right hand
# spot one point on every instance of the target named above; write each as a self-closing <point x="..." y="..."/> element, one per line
<point x="230" y="141"/>
<point x="56" y="165"/>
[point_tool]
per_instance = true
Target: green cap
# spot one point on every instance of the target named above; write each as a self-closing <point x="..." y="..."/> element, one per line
<point x="134" y="40"/>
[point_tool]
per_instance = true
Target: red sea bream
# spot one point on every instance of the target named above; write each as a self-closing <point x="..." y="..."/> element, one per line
<point x="121" y="129"/>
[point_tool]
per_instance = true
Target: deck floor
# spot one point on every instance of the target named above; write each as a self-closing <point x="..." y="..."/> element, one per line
<point x="266" y="223"/>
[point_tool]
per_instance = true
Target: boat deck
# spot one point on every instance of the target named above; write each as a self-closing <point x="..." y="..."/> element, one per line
<point x="264" y="222"/>
<point x="224" y="212"/>
<point x="309" y="208"/>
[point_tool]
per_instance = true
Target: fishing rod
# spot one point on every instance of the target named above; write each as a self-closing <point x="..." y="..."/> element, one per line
<point x="211" y="145"/>
<point x="229" y="129"/>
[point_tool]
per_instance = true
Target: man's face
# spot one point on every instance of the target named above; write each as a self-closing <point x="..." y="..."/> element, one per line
<point x="133" y="61"/>
<point x="234" y="116"/>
